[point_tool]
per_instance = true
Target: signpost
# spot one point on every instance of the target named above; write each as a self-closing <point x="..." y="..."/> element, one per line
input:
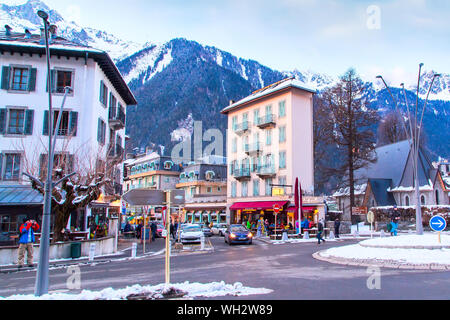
<point x="371" y="220"/>
<point x="276" y="210"/>
<point x="438" y="224"/>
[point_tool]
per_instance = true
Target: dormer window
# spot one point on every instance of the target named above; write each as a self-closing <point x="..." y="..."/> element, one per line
<point x="168" y="165"/>
<point x="210" y="175"/>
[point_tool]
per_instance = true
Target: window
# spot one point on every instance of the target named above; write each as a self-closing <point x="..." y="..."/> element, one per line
<point x="103" y="93"/>
<point x="234" y="146"/>
<point x="256" y="187"/>
<point x="244" y="189"/>
<point x="67" y="126"/>
<point x="209" y="189"/>
<point x="112" y="102"/>
<point x="63" y="80"/>
<point x="268" y="187"/>
<point x="256" y="117"/>
<point x="406" y="201"/>
<point x="16" y="121"/>
<point x="283" y="160"/>
<point x="268" y="137"/>
<point x="282" y="133"/>
<point x="234" y="123"/>
<point x="62" y="161"/>
<point x="233" y="189"/>
<point x="282" y="182"/>
<point x="282" y="109"/>
<point x="101" y="132"/>
<point x="10" y="162"/>
<point x="423" y="200"/>
<point x="437" y="197"/>
<point x="168" y="165"/>
<point x="18" y="78"/>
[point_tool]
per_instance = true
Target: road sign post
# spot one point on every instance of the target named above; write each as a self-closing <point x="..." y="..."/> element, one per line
<point x="438" y="224"/>
<point x="371" y="219"/>
<point x="276" y="210"/>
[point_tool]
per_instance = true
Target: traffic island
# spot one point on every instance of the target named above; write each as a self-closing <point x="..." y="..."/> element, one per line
<point x="402" y="252"/>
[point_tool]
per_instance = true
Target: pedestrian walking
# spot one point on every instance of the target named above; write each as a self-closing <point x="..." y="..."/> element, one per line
<point x="337" y="225"/>
<point x="26" y="241"/>
<point x="153" y="228"/>
<point x="320" y="227"/>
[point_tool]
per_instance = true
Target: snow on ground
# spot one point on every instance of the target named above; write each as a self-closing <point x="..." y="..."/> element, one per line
<point x="193" y="290"/>
<point x="401" y="255"/>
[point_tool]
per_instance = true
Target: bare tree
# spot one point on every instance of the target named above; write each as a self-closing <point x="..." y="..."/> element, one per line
<point x="391" y="129"/>
<point x="95" y="175"/>
<point x="350" y="127"/>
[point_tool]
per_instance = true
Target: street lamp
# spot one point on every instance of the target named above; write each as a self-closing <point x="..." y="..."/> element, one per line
<point x="41" y="285"/>
<point x="415" y="137"/>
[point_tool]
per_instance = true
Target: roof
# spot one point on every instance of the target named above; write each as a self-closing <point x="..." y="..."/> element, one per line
<point x="390" y="164"/>
<point x="270" y="90"/>
<point x="32" y="44"/>
<point x="17" y="195"/>
<point x="380" y="192"/>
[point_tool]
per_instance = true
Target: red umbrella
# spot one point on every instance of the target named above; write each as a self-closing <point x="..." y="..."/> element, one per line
<point x="301" y="202"/>
<point x="296" y="199"/>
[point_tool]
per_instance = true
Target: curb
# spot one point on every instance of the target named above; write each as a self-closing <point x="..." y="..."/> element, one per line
<point x="389" y="264"/>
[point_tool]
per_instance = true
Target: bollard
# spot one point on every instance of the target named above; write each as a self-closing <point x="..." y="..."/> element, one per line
<point x="202" y="242"/>
<point x="306" y="235"/>
<point x="331" y="237"/>
<point x="382" y="235"/>
<point x="285" y="236"/>
<point x="92" y="252"/>
<point x="133" y="250"/>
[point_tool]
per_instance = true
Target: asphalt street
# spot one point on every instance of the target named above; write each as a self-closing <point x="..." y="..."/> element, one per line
<point x="287" y="269"/>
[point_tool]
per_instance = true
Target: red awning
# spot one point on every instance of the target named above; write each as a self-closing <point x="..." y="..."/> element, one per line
<point x="264" y="205"/>
<point x="309" y="208"/>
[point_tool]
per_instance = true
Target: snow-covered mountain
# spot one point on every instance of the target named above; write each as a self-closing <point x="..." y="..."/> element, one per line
<point x="21" y="15"/>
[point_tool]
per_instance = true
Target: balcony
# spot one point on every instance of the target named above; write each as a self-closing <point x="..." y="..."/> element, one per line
<point x="253" y="148"/>
<point x="268" y="121"/>
<point x="117" y="118"/>
<point x="242" y="128"/>
<point x="267" y="171"/>
<point x="116" y="152"/>
<point x="241" y="173"/>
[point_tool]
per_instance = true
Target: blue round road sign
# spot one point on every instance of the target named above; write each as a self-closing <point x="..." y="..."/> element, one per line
<point x="437" y="223"/>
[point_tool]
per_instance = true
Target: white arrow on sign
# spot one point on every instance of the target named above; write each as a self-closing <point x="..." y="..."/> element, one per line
<point x="439" y="223"/>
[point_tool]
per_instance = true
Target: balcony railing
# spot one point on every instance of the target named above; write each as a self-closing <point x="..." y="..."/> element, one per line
<point x="253" y="148"/>
<point x="117" y="118"/>
<point x="241" y="173"/>
<point x="266" y="171"/>
<point x="266" y="121"/>
<point x="242" y="128"/>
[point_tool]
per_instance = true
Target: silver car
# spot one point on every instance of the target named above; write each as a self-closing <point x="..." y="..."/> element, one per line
<point x="219" y="229"/>
<point x="191" y="233"/>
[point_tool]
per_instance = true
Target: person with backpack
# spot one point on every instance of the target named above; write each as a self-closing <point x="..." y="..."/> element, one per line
<point x="26" y="241"/>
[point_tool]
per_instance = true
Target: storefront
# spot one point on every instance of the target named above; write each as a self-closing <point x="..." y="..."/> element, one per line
<point x="242" y="212"/>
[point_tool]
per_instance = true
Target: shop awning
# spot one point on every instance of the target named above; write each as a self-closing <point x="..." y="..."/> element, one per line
<point x="263" y="205"/>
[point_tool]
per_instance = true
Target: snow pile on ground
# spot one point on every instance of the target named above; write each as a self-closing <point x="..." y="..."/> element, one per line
<point x="398" y="254"/>
<point x="189" y="291"/>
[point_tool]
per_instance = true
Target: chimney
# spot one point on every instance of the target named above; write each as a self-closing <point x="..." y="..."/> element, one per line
<point x="8" y="30"/>
<point x="27" y="34"/>
<point x="232" y="102"/>
<point x="53" y="31"/>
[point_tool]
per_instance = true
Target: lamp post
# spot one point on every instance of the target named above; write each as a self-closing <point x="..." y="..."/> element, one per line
<point x="414" y="138"/>
<point x="41" y="286"/>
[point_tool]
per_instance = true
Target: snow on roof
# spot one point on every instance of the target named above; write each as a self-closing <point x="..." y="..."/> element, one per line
<point x="286" y="83"/>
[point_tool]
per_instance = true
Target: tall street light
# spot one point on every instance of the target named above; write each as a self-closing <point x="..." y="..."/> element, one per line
<point x="415" y="143"/>
<point x="41" y="286"/>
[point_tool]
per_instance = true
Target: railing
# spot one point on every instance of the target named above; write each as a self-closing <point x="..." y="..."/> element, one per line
<point x="241" y="127"/>
<point x="241" y="173"/>
<point x="267" y="120"/>
<point x="267" y="170"/>
<point x="253" y="148"/>
<point x="117" y="117"/>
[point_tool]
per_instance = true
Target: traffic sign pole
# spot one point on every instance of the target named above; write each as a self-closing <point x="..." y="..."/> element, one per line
<point x="438" y="224"/>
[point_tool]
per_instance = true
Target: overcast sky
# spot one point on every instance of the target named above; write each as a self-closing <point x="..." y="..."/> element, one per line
<point x="389" y="36"/>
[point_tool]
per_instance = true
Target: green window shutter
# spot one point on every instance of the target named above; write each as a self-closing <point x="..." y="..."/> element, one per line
<point x="3" y="121"/>
<point x="1" y="166"/>
<point x="73" y="123"/>
<point x="102" y="91"/>
<point x="45" y="127"/>
<point x="5" y="77"/>
<point x="99" y="130"/>
<point x="29" y="118"/>
<point x="32" y="80"/>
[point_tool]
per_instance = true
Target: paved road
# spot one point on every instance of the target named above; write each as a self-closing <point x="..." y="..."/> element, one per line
<point x="288" y="269"/>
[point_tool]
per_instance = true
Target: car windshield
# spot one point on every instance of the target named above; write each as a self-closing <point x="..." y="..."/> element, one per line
<point x="238" y="229"/>
<point x="191" y="229"/>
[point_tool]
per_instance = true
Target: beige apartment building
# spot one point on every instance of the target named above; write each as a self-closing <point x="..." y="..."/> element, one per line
<point x="269" y="145"/>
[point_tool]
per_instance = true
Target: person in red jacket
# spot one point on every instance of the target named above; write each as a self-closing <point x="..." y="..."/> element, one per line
<point x="26" y="241"/>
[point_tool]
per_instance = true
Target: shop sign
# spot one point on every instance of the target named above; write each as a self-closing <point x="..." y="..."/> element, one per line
<point x="359" y="211"/>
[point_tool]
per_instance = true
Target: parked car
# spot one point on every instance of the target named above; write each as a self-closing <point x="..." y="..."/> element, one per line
<point x="179" y="230"/>
<point x="191" y="233"/>
<point x="237" y="233"/>
<point x="219" y="229"/>
<point x="159" y="229"/>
